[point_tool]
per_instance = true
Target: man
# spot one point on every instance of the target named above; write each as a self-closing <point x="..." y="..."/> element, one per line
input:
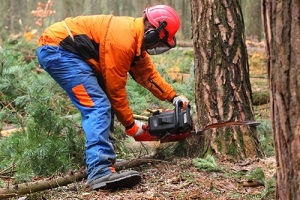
<point x="78" y="50"/>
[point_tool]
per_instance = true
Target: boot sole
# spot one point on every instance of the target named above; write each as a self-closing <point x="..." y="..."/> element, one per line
<point x="123" y="182"/>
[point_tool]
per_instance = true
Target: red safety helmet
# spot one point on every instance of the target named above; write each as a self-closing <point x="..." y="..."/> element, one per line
<point x="157" y="14"/>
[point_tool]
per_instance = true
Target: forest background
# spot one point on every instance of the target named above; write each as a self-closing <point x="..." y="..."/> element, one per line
<point x="17" y="16"/>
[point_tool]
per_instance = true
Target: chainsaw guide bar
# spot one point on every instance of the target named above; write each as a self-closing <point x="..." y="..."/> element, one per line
<point x="225" y="124"/>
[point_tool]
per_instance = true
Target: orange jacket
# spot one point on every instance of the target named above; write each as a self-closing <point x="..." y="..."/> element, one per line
<point x="111" y="45"/>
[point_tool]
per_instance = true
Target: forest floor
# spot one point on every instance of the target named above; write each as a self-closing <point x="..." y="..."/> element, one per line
<point x="179" y="178"/>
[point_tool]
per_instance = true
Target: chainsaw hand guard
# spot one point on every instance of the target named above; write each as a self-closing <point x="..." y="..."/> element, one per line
<point x="145" y="136"/>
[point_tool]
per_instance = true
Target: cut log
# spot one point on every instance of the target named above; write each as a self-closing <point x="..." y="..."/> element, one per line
<point x="7" y="130"/>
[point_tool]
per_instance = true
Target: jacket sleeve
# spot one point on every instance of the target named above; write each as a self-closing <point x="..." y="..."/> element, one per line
<point x="116" y="76"/>
<point x="145" y="74"/>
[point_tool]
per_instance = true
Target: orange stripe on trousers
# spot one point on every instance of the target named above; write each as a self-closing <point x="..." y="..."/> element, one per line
<point x="83" y="97"/>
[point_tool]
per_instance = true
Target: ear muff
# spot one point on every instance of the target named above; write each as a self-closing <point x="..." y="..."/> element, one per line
<point x="152" y="36"/>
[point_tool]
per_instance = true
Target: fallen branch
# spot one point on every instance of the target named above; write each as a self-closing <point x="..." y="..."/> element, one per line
<point x="252" y="183"/>
<point x="32" y="187"/>
<point x="140" y="117"/>
<point x="7" y="130"/>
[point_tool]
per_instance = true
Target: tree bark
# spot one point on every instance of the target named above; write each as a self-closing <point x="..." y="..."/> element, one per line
<point x="223" y="90"/>
<point x="282" y="29"/>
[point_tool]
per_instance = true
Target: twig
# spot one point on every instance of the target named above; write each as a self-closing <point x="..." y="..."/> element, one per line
<point x="162" y="150"/>
<point x="6" y="178"/>
<point x="150" y="111"/>
<point x="6" y="171"/>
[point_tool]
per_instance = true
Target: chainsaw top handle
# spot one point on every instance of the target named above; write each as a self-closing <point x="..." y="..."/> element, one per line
<point x="178" y="106"/>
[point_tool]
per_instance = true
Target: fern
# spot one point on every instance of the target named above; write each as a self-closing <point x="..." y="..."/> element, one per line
<point x="257" y="174"/>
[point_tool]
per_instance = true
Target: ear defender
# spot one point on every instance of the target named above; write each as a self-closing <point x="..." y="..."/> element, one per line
<point x="152" y="36"/>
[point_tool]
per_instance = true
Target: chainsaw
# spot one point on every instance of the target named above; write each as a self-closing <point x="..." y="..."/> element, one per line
<point x="176" y="125"/>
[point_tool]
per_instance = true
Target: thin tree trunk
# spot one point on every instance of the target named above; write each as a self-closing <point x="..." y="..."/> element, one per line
<point x="223" y="91"/>
<point x="14" y="25"/>
<point x="252" y="18"/>
<point x="282" y="29"/>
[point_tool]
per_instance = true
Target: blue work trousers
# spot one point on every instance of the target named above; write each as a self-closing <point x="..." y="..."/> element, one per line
<point x="77" y="78"/>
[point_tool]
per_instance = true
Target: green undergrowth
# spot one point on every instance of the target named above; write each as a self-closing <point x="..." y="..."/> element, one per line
<point x="206" y="164"/>
<point x="215" y="169"/>
<point x="47" y="141"/>
<point x="264" y="131"/>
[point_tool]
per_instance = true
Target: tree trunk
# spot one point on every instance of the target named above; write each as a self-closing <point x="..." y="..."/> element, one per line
<point x="282" y="29"/>
<point x="139" y="8"/>
<point x="223" y="91"/>
<point x="14" y="16"/>
<point x="252" y="19"/>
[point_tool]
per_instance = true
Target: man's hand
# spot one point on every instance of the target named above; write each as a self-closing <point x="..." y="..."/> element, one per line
<point x="136" y="129"/>
<point x="182" y="98"/>
<point x="139" y="131"/>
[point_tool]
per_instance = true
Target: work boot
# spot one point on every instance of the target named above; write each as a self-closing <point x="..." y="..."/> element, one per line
<point x="116" y="180"/>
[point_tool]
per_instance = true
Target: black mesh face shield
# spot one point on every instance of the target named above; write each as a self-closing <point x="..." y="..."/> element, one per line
<point x="160" y="47"/>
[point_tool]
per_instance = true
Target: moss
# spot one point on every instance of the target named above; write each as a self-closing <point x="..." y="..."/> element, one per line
<point x="230" y="146"/>
<point x="241" y="140"/>
<point x="208" y="152"/>
<point x="219" y="143"/>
